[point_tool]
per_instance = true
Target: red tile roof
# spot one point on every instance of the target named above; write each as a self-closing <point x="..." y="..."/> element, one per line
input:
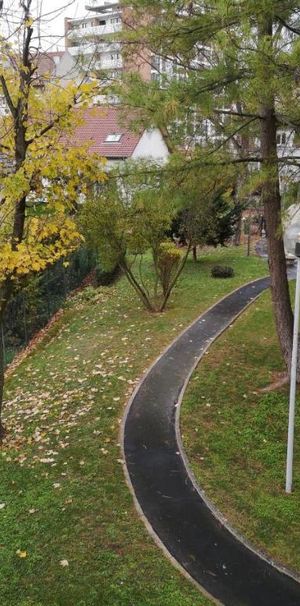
<point x="99" y="122"/>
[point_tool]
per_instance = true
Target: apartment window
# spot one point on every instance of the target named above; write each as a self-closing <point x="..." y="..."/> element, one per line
<point x="115" y="20"/>
<point x="155" y="62"/>
<point x="155" y="76"/>
<point x="115" y="75"/>
<point x="113" y="138"/>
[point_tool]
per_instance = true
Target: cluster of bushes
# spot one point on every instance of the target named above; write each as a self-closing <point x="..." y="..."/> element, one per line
<point x="222" y="271"/>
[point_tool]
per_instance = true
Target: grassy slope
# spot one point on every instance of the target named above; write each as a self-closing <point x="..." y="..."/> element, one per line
<point x="62" y="480"/>
<point x="235" y="436"/>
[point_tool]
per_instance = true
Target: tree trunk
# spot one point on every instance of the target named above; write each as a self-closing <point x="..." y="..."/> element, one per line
<point x="195" y="254"/>
<point x="137" y="287"/>
<point x="271" y="197"/>
<point x="272" y="211"/>
<point x="238" y="232"/>
<point x="175" y="278"/>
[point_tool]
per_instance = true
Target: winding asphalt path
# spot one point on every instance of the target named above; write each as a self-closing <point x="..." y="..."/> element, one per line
<point x="178" y="513"/>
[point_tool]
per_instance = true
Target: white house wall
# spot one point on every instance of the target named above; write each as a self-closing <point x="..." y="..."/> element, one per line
<point x="151" y="145"/>
<point x="68" y="70"/>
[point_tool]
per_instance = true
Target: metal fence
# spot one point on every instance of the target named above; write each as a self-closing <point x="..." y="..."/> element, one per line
<point x="40" y="298"/>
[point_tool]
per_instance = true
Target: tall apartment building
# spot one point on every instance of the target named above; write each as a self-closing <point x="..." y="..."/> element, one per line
<point x="91" y="39"/>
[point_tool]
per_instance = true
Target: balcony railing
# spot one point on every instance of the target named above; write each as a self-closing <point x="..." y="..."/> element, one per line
<point x="96" y="30"/>
<point x="108" y="64"/>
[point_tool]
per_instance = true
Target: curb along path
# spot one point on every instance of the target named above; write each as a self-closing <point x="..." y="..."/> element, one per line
<point x="210" y="553"/>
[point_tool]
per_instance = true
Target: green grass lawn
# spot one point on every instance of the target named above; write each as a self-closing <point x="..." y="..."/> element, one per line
<point x="235" y="435"/>
<point x="70" y="535"/>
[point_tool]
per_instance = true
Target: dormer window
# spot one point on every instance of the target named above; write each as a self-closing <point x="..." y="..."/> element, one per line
<point x="113" y="138"/>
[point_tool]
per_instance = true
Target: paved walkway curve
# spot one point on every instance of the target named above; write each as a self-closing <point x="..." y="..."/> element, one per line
<point x="176" y="510"/>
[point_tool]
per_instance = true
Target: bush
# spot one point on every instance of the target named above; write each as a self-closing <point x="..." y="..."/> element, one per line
<point x="168" y="261"/>
<point x="106" y="278"/>
<point x="219" y="271"/>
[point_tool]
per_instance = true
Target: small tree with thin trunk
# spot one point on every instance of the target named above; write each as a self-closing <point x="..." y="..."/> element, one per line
<point x="129" y="218"/>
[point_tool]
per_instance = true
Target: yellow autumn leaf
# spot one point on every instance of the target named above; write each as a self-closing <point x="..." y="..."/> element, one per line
<point x="21" y="554"/>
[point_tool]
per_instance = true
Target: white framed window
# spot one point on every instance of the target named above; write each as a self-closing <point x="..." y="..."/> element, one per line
<point x="113" y="138"/>
<point x="281" y="138"/>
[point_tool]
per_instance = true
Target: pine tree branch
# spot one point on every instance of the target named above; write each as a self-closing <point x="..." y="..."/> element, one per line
<point x="289" y="27"/>
<point x="232" y="135"/>
<point x="229" y="112"/>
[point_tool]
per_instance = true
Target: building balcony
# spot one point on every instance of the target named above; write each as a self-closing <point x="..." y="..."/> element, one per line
<point x="108" y="64"/>
<point x="89" y="47"/>
<point x="95" y="30"/>
<point x="103" y="7"/>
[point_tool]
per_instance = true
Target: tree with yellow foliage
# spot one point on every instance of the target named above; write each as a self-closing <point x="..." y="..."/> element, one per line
<point x="42" y="175"/>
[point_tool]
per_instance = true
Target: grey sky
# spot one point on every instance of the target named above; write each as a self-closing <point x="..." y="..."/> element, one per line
<point x="54" y="24"/>
<point x="51" y="25"/>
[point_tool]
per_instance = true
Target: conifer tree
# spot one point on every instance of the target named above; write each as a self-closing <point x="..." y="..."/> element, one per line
<point x="232" y="64"/>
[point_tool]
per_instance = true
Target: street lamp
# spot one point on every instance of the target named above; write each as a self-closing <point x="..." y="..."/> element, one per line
<point x="292" y="247"/>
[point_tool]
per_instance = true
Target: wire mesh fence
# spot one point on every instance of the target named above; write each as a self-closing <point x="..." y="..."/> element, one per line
<point x="40" y="298"/>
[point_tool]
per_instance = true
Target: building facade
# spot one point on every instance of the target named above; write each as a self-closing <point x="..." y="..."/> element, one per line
<point x="93" y="41"/>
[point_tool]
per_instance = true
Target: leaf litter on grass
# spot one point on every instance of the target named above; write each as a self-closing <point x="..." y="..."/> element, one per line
<point x="63" y="408"/>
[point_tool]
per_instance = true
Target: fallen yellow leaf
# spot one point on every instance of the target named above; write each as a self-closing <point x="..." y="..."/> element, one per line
<point x="21" y="554"/>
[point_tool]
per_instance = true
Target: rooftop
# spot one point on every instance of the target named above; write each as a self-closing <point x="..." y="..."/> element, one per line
<point x="107" y="134"/>
<point x="102" y="6"/>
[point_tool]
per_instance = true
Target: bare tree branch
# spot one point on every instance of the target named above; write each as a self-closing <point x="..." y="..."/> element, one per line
<point x="8" y="99"/>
